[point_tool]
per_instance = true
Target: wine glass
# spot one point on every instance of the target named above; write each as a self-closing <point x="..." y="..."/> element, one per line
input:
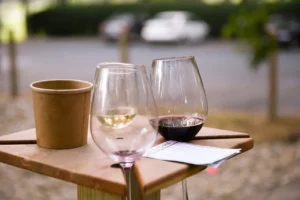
<point x="180" y="98"/>
<point x="123" y="114"/>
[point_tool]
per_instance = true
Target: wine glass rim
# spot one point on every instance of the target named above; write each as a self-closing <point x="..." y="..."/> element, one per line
<point x="174" y="58"/>
<point x="120" y="65"/>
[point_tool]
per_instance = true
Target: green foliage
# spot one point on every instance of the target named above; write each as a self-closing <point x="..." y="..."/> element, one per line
<point x="84" y="19"/>
<point x="249" y="26"/>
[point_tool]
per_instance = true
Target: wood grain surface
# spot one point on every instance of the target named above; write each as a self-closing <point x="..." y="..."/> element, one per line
<point x="88" y="166"/>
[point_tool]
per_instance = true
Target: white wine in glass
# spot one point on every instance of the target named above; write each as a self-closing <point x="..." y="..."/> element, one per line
<point x="118" y="117"/>
<point x="122" y="108"/>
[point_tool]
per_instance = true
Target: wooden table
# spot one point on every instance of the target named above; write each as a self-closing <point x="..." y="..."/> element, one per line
<point x="91" y="169"/>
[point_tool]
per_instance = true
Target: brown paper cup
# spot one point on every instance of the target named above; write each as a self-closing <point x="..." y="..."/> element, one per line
<point x="61" y="112"/>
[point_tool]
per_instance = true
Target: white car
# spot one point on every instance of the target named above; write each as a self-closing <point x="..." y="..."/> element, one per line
<point x="174" y="26"/>
<point x="113" y="27"/>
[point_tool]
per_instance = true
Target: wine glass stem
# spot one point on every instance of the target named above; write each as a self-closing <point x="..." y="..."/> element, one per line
<point x="127" y="174"/>
<point x="185" y="195"/>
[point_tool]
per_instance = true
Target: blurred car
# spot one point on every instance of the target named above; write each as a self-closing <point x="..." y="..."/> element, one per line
<point x="113" y="27"/>
<point x="286" y="30"/>
<point x="175" y="26"/>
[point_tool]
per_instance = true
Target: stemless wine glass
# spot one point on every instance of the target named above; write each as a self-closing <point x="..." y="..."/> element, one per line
<point x="180" y="98"/>
<point x="122" y="108"/>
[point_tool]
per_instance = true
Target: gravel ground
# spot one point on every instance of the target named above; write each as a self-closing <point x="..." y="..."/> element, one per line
<point x="269" y="171"/>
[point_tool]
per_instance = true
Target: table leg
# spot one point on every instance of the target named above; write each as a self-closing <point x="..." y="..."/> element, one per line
<point x="84" y="193"/>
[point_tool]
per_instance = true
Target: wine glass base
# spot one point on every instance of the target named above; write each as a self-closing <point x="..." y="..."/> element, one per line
<point x="126" y="165"/>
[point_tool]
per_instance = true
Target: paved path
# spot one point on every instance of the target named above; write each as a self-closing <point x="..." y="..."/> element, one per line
<point x="230" y="83"/>
<point x="269" y="171"/>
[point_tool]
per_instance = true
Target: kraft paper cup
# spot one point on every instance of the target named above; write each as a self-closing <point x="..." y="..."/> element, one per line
<point x="61" y="112"/>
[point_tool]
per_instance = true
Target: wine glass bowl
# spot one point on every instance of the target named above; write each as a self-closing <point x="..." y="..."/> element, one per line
<point x="181" y="100"/>
<point x="180" y="97"/>
<point x="122" y="107"/>
<point x="123" y="119"/>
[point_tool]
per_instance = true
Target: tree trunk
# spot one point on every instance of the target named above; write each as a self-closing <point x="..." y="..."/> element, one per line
<point x="123" y="45"/>
<point x="272" y="111"/>
<point x="26" y="5"/>
<point x="13" y="66"/>
<point x="62" y="2"/>
<point x="243" y="2"/>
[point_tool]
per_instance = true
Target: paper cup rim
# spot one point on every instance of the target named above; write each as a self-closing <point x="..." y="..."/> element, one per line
<point x="61" y="91"/>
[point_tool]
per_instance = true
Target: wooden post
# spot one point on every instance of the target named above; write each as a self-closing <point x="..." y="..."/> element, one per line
<point x="13" y="66"/>
<point x="124" y="46"/>
<point x="273" y="61"/>
<point x="272" y="111"/>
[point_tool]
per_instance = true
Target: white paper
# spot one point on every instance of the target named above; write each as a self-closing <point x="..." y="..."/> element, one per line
<point x="190" y="153"/>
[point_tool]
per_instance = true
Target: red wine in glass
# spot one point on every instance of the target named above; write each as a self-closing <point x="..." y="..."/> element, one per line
<point x="180" y="96"/>
<point x="179" y="128"/>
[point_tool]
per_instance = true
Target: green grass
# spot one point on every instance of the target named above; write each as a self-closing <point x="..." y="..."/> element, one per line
<point x="260" y="129"/>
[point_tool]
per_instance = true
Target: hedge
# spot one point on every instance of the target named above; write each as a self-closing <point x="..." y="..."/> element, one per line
<point x="84" y="19"/>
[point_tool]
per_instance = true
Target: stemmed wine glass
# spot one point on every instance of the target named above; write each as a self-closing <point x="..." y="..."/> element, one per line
<point x="123" y="114"/>
<point x="180" y="98"/>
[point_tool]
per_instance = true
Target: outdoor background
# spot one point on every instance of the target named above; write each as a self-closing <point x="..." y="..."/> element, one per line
<point x="60" y="39"/>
